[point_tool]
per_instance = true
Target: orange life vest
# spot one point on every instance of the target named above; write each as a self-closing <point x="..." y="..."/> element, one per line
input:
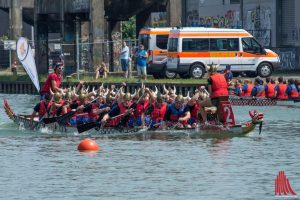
<point x="247" y="93"/>
<point x="271" y="90"/>
<point x="281" y="91"/>
<point x="219" y="85"/>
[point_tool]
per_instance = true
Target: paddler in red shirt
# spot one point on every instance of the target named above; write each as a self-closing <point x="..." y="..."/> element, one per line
<point x="53" y="81"/>
<point x="42" y="109"/>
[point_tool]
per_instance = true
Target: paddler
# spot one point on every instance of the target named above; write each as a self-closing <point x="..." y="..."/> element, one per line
<point x="54" y="80"/>
<point x="123" y="107"/>
<point x="280" y="89"/>
<point x="217" y="88"/>
<point x="42" y="109"/>
<point x="270" y="87"/>
<point x="291" y="89"/>
<point x="177" y="114"/>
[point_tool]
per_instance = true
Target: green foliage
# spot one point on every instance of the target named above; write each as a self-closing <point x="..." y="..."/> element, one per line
<point x="4" y="37"/>
<point x="129" y="28"/>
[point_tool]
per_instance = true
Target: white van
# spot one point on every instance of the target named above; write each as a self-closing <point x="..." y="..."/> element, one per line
<point x="191" y="50"/>
<point x="155" y="41"/>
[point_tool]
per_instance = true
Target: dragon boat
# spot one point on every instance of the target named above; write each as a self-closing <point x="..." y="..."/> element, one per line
<point x="216" y="130"/>
<point x="250" y="101"/>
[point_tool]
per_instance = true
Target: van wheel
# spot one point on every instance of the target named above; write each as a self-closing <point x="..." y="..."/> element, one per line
<point x="197" y="71"/>
<point x="264" y="70"/>
<point x="169" y="75"/>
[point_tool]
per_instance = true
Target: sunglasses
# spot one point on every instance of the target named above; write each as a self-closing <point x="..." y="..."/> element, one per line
<point x="60" y="68"/>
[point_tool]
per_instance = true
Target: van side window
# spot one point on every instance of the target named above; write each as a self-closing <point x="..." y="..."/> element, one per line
<point x="172" y="44"/>
<point x="162" y="41"/>
<point x="195" y="44"/>
<point x="251" y="45"/>
<point x="224" y="44"/>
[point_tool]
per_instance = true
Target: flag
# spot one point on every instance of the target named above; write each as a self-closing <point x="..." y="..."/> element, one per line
<point x="25" y="56"/>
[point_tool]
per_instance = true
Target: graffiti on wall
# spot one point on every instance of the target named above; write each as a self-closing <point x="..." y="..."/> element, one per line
<point x="258" y="22"/>
<point x="117" y="46"/>
<point x="231" y="19"/>
<point x="287" y="58"/>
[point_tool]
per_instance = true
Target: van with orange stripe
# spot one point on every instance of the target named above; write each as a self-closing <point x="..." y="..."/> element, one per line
<point x="192" y="50"/>
<point x="155" y="41"/>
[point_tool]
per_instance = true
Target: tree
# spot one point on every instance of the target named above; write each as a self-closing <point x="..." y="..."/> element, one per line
<point x="129" y="28"/>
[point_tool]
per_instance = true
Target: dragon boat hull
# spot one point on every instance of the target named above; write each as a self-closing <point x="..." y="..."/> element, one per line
<point x="249" y="101"/>
<point x="203" y="131"/>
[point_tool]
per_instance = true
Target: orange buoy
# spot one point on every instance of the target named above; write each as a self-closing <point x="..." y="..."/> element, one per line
<point x="88" y="145"/>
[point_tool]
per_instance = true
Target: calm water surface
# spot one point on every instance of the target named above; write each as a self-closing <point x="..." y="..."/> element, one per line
<point x="45" y="166"/>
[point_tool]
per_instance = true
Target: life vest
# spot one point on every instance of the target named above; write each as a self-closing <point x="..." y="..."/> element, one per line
<point x="294" y="92"/>
<point x="271" y="90"/>
<point x="43" y="110"/>
<point x="281" y="91"/>
<point x="194" y="111"/>
<point x="140" y="108"/>
<point x="158" y="113"/>
<point x="91" y="113"/>
<point x="175" y="114"/>
<point x="219" y="85"/>
<point x="247" y="93"/>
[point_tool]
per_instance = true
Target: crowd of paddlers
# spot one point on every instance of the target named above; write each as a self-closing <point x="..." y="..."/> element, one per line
<point x="269" y="88"/>
<point x="111" y="106"/>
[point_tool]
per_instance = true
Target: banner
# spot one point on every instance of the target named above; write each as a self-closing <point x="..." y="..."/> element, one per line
<point x="25" y="56"/>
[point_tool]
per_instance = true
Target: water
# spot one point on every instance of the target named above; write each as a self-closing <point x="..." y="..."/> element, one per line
<point x="45" y="166"/>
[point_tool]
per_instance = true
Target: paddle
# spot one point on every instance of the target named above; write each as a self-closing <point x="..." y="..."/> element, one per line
<point x="87" y="126"/>
<point x="65" y="117"/>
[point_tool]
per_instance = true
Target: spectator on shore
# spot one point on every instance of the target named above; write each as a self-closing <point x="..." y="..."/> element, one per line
<point x="14" y="68"/>
<point x="125" y="59"/>
<point x="101" y="71"/>
<point x="141" y="56"/>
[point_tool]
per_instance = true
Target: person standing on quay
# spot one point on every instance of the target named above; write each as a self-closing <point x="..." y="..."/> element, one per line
<point x="125" y="59"/>
<point x="142" y="56"/>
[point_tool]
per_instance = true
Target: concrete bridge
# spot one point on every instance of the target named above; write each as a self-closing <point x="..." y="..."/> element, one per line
<point x="94" y="20"/>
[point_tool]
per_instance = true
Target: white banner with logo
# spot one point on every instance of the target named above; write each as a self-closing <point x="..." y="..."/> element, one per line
<point x="25" y="56"/>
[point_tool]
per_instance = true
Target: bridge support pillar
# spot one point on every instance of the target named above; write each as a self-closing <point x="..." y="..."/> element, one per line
<point x="97" y="30"/>
<point x="115" y="46"/>
<point x="15" y="23"/>
<point x="174" y="9"/>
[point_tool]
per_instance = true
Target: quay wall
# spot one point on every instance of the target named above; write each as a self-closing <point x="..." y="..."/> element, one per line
<point x="28" y="88"/>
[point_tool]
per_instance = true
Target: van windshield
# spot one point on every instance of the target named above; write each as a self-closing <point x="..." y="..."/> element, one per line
<point x="144" y="40"/>
<point x="251" y="45"/>
<point x="172" y="44"/>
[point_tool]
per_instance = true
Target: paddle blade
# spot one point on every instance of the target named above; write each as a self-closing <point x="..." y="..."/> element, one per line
<point x="64" y="118"/>
<point x="87" y="126"/>
<point x="50" y="120"/>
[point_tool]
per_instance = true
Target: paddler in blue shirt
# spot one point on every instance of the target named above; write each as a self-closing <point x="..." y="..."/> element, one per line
<point x="178" y="114"/>
<point x="291" y="89"/>
<point x="258" y="90"/>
